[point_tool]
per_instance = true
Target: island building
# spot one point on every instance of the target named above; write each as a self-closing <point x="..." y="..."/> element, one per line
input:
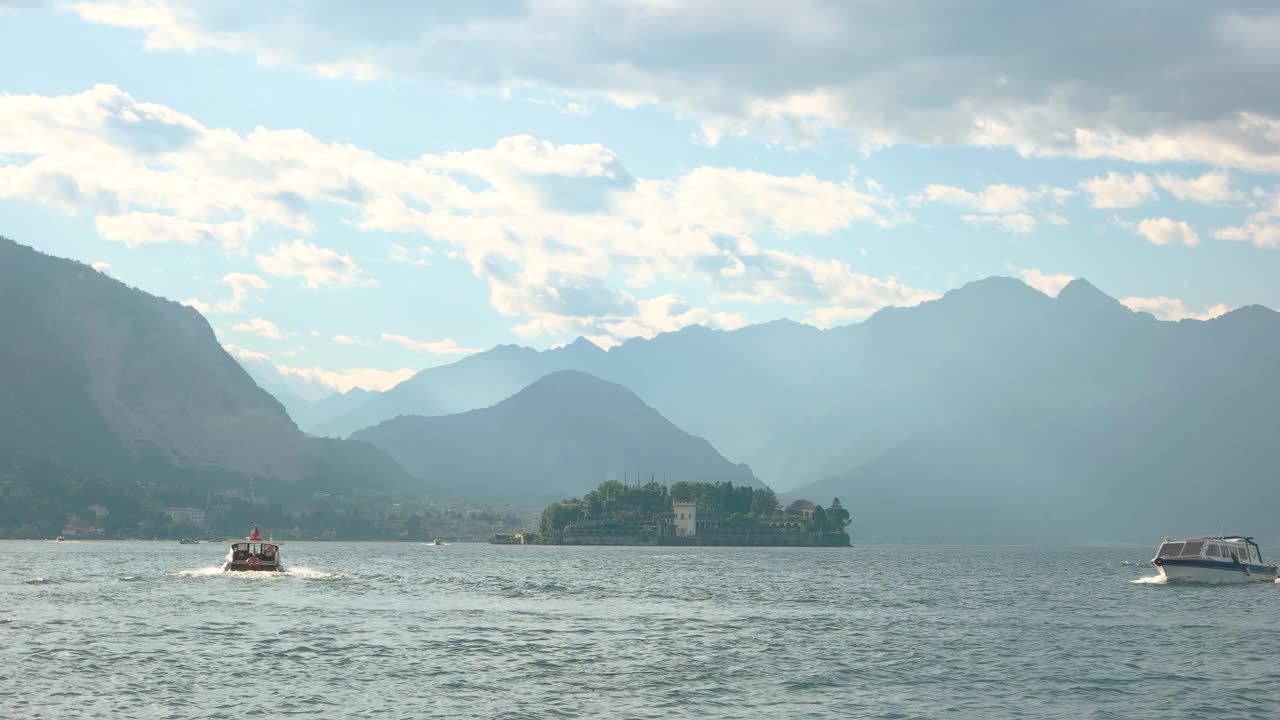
<point x="685" y="518"/>
<point x="802" y="507"/>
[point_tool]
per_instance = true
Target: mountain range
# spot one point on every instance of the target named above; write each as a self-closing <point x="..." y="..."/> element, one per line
<point x="557" y="438"/>
<point x="994" y="410"/>
<point x="106" y="379"/>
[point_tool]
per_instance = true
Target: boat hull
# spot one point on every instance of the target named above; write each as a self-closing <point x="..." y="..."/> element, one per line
<point x="1207" y="571"/>
<point x="246" y="567"/>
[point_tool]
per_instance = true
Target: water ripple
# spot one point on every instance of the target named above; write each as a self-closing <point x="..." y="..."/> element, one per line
<point x="379" y="630"/>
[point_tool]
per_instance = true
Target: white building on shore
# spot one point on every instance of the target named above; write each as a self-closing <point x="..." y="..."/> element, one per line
<point x="187" y="515"/>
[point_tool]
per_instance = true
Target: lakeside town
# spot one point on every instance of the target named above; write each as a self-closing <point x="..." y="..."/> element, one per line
<point x="41" y="502"/>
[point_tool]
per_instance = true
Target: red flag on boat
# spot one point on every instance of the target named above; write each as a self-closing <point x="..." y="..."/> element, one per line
<point x="256" y="535"/>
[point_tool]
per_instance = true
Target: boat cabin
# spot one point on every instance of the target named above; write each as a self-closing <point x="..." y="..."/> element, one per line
<point x="253" y="555"/>
<point x="1234" y="549"/>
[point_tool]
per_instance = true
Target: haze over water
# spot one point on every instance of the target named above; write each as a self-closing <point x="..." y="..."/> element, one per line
<point x="154" y="630"/>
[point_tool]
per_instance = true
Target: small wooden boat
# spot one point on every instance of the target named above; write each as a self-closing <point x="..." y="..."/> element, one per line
<point x="253" y="555"/>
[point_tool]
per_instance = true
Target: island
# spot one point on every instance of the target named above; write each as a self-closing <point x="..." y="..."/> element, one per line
<point x="686" y="513"/>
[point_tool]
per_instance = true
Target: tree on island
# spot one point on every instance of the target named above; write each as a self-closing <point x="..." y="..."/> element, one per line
<point x="610" y="490"/>
<point x="837" y="516"/>
<point x="556" y="517"/>
<point x="819" y="519"/>
<point x="764" y="501"/>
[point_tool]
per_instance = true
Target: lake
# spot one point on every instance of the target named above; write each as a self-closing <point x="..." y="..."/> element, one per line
<point x="398" y="630"/>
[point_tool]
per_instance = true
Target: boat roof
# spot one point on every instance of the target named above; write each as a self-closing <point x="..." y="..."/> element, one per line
<point x="1207" y="538"/>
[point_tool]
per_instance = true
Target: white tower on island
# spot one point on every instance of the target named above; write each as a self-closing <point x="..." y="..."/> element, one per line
<point x="686" y="519"/>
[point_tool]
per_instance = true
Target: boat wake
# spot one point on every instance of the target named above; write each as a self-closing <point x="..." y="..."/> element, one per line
<point x="300" y="571"/>
<point x="1150" y="580"/>
<point x="210" y="571"/>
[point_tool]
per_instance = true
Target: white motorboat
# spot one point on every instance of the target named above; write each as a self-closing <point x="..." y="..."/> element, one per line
<point x="1222" y="559"/>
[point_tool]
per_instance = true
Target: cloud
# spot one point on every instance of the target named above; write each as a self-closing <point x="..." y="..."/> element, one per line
<point x="348" y="340"/>
<point x="1259" y="232"/>
<point x="748" y="273"/>
<point x="1049" y="284"/>
<point x="102" y="267"/>
<point x="1212" y="188"/>
<point x="664" y="313"/>
<point x="991" y="199"/>
<point x="749" y="201"/>
<point x="552" y="229"/>
<point x="1004" y="206"/>
<point x="149" y="174"/>
<point x="348" y="378"/>
<point x="556" y="268"/>
<point x="1116" y="190"/>
<point x="1047" y="80"/>
<point x="1171" y="308"/>
<point x="569" y="178"/>
<point x="1163" y="231"/>
<point x="241" y="285"/>
<point x="1017" y="223"/>
<point x="261" y="327"/>
<point x="417" y="256"/>
<point x="142" y="228"/>
<point x="445" y="346"/>
<point x="316" y="266"/>
<point x="1261" y="228"/>
<point x="246" y="354"/>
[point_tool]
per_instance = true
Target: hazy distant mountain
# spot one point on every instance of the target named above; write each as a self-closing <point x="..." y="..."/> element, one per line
<point x="1068" y="417"/>
<point x="316" y="413"/>
<point x="108" y="379"/>
<point x="736" y="387"/>
<point x="474" y="382"/>
<point x="309" y="404"/>
<point x="559" y="437"/>
<point x="313" y="414"/>
<point x="975" y="393"/>
<point x="991" y="347"/>
<point x="1183" y="462"/>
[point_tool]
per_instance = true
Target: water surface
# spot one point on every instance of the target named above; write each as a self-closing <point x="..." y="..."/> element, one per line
<point x="388" y="630"/>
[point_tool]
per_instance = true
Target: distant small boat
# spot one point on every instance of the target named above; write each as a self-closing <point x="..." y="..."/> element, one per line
<point x="1222" y="559"/>
<point x="59" y="539"/>
<point x="188" y="541"/>
<point x="437" y="542"/>
<point x="253" y="556"/>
